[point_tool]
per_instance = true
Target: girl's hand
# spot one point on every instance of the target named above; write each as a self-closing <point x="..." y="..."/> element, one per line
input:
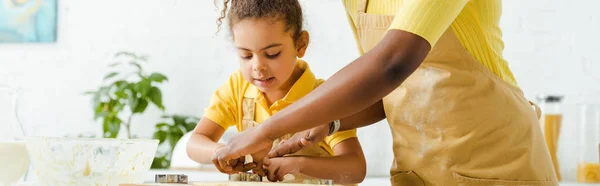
<point x="251" y="141"/>
<point x="236" y="164"/>
<point x="277" y="168"/>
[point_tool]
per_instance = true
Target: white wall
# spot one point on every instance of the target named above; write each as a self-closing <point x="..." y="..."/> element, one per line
<point x="549" y="45"/>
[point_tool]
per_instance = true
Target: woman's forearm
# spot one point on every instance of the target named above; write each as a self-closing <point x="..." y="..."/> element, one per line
<point x="366" y="117"/>
<point x="341" y="169"/>
<point x="201" y="148"/>
<point x="357" y="86"/>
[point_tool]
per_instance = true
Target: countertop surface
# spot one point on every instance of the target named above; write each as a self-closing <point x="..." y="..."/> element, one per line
<point x="210" y="175"/>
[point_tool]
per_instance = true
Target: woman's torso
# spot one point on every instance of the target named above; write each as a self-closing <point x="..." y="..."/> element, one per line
<point x="455" y="120"/>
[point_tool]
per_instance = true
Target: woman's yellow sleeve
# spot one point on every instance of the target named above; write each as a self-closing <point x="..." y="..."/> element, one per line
<point x="427" y="18"/>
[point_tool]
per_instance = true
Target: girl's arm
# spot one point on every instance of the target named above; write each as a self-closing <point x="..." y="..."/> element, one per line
<point x="348" y="166"/>
<point x="203" y="142"/>
<point x="203" y="145"/>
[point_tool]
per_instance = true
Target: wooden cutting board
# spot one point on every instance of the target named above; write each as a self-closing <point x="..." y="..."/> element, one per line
<point x="223" y="183"/>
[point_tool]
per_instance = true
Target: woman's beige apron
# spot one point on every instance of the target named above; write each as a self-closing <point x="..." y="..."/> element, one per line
<point x="248" y="111"/>
<point x="453" y="122"/>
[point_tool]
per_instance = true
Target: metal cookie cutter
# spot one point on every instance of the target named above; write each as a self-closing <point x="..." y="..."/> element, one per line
<point x="171" y="178"/>
<point x="318" y="181"/>
<point x="245" y="176"/>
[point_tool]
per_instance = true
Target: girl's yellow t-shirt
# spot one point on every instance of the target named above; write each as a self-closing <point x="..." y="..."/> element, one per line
<point x="225" y="106"/>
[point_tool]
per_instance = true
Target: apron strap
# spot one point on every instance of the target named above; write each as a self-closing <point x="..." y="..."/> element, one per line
<point x="362" y="6"/>
<point x="248" y="107"/>
<point x="538" y="111"/>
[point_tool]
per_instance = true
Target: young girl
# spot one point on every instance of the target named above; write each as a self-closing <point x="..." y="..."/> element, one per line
<point x="269" y="39"/>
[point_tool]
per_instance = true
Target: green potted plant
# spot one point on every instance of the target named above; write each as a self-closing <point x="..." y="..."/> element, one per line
<point x="126" y="93"/>
<point x="168" y="133"/>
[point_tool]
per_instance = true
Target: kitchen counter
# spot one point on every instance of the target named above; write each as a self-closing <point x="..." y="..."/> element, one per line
<point x="209" y="175"/>
<point x="212" y="175"/>
<point x="382" y="182"/>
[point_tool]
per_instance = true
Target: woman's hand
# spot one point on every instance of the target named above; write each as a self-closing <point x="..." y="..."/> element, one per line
<point x="348" y="166"/>
<point x="277" y="168"/>
<point x="300" y="141"/>
<point x="257" y="159"/>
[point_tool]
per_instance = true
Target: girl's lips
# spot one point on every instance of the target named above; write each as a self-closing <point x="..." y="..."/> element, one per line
<point x="264" y="82"/>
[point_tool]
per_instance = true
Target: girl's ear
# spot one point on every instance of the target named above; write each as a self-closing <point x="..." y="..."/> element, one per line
<point x="302" y="43"/>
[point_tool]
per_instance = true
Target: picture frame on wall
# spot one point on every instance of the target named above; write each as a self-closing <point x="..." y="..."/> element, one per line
<point x="28" y="21"/>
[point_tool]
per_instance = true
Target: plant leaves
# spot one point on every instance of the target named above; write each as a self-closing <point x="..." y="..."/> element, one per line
<point x="89" y="92"/>
<point x="111" y="126"/>
<point x="96" y="99"/>
<point x="112" y="103"/>
<point x="130" y="89"/>
<point x="160" y="136"/>
<point x="118" y="107"/>
<point x="101" y="114"/>
<point x="143" y="58"/>
<point x="116" y="125"/>
<point x="138" y="66"/>
<point x="126" y="54"/>
<point x="179" y="120"/>
<point x="141" y="106"/>
<point x="157" y="77"/>
<point x="101" y="110"/>
<point x="174" y="130"/>
<point x="189" y="126"/>
<point x="172" y="140"/>
<point x="133" y="102"/>
<point x="100" y="107"/>
<point x="121" y="84"/>
<point x="156" y="97"/>
<point x="122" y="87"/>
<point x="160" y="163"/>
<point x="182" y="129"/>
<point x="160" y="126"/>
<point x="112" y="74"/>
<point x="114" y="64"/>
<point x="103" y="91"/>
<point x="121" y="94"/>
<point x="144" y="86"/>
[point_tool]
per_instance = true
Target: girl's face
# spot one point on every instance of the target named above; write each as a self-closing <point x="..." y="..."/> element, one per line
<point x="267" y="52"/>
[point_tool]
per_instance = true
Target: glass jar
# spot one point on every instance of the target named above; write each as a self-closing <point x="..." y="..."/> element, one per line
<point x="9" y="123"/>
<point x="15" y="159"/>
<point x="550" y="122"/>
<point x="588" y="168"/>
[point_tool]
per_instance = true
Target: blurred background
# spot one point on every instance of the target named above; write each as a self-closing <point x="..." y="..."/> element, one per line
<point x="551" y="46"/>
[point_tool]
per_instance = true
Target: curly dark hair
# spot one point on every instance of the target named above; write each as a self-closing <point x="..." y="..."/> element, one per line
<point x="288" y="11"/>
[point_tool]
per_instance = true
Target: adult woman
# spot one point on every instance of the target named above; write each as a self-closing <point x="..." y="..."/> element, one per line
<point x="434" y="69"/>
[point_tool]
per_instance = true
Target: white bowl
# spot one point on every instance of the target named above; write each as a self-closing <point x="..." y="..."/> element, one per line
<point x="14" y="162"/>
<point x="84" y="161"/>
